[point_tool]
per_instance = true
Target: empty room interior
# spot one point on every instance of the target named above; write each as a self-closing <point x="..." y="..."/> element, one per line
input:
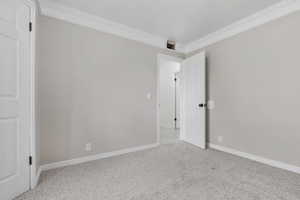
<point x="149" y="100"/>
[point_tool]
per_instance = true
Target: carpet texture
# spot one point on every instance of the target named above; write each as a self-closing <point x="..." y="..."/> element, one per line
<point x="172" y="171"/>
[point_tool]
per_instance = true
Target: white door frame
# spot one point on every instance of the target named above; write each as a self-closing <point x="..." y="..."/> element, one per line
<point x="34" y="172"/>
<point x="161" y="57"/>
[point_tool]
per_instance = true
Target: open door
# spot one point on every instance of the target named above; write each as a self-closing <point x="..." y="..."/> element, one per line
<point x="193" y="105"/>
<point x="15" y="98"/>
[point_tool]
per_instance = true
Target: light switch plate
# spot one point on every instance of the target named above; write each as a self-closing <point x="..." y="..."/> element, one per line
<point x="149" y="96"/>
<point x="210" y="104"/>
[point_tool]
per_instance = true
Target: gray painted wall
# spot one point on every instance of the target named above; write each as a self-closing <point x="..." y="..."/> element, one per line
<point x="254" y="80"/>
<point x="93" y="86"/>
<point x="92" y="89"/>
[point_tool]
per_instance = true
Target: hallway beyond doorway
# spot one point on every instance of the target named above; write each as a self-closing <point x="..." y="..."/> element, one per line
<point x="169" y="135"/>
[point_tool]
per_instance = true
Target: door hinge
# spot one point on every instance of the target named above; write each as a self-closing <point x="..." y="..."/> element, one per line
<point x="30" y="160"/>
<point x="30" y="26"/>
<point x="175" y="119"/>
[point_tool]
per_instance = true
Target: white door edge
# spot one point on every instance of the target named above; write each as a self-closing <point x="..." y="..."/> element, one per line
<point x="34" y="173"/>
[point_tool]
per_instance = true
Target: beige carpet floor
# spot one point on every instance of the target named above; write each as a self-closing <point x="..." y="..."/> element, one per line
<point x="170" y="172"/>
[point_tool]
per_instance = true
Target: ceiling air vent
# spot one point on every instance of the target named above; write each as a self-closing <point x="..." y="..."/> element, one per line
<point x="171" y="44"/>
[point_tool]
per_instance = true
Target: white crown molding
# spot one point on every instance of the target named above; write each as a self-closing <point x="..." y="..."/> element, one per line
<point x="76" y="16"/>
<point x="283" y="8"/>
<point x="260" y="159"/>
<point x="96" y="157"/>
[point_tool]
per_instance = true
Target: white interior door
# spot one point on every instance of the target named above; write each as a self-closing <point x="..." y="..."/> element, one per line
<point x="194" y="100"/>
<point x="14" y="98"/>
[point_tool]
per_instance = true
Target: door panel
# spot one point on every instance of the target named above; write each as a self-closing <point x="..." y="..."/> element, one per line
<point x="194" y="85"/>
<point x="8" y="143"/>
<point x="15" y="107"/>
<point x="8" y="71"/>
<point x="8" y="10"/>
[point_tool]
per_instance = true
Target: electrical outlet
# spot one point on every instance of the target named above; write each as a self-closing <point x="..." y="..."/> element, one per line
<point x="88" y="147"/>
<point x="220" y="139"/>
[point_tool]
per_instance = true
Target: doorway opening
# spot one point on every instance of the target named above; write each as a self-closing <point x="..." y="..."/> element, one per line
<point x="181" y="100"/>
<point x="169" y="98"/>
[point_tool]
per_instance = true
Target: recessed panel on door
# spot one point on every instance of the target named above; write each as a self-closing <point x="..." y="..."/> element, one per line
<point x="8" y="146"/>
<point x="8" y="66"/>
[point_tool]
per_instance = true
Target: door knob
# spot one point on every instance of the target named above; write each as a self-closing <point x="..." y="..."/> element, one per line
<point x="201" y="105"/>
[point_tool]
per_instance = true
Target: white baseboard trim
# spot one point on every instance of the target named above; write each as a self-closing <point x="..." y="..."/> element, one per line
<point x="273" y="163"/>
<point x="37" y="178"/>
<point x="96" y="157"/>
<point x="191" y="143"/>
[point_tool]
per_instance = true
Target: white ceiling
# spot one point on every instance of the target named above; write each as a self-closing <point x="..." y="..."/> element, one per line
<point x="181" y="20"/>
